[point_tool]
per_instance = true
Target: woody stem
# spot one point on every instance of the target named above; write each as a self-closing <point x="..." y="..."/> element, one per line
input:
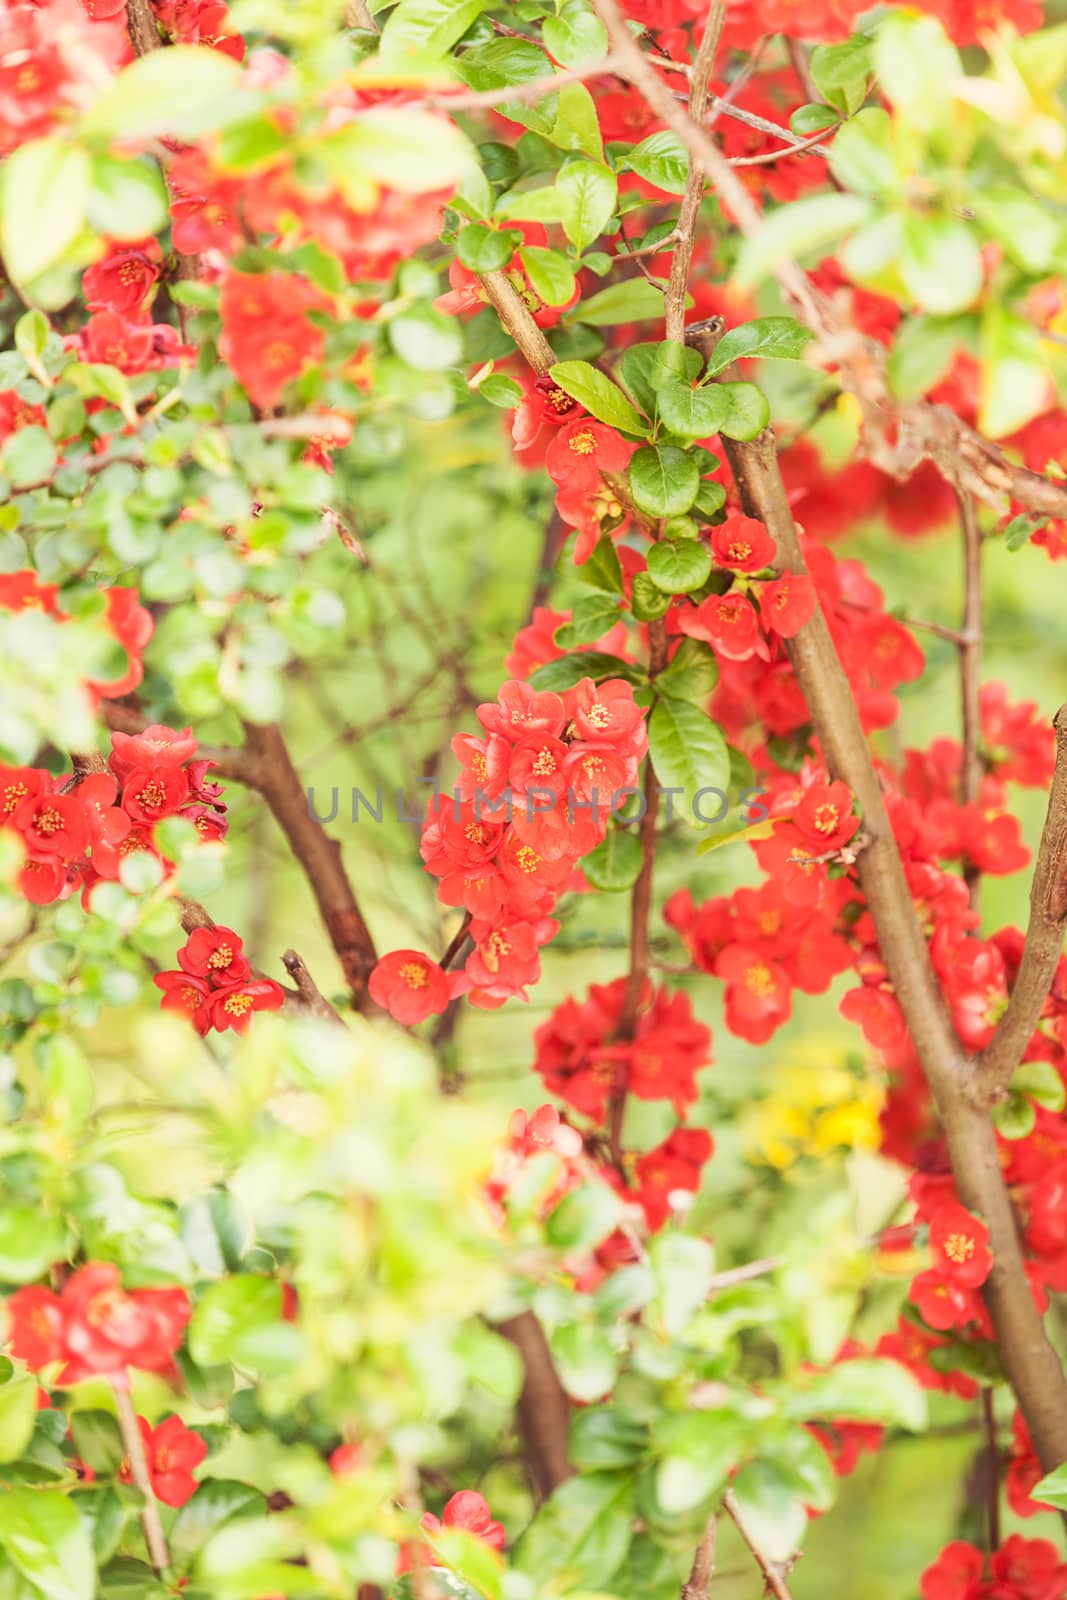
<point x="133" y="1444"/>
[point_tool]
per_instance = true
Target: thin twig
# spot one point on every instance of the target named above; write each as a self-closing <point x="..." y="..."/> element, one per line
<point x="774" y="1573"/>
<point x="698" y="1585"/>
<point x="158" y="1554"/>
<point x="970" y="654"/>
<point x="992" y="1469"/>
<point x="1043" y="945"/>
<point x="309" y="991"/>
<point x="674" y="307"/>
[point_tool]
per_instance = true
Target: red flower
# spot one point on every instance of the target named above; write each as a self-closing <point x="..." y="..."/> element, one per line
<point x="825" y="817"/>
<point x="96" y="1327"/>
<point x="944" y="1303"/>
<point x="409" y="986"/>
<point x="468" y="1510"/>
<point x="172" y="1451"/>
<point x="108" y="338"/>
<point x="20" y="591"/>
<point x="266" y="336"/>
<point x="581" y="451"/>
<point x="742" y="544"/>
<point x="233" y="1005"/>
<point x="151" y="793"/>
<point x="156" y="745"/>
<point x="53" y="825"/>
<point x="786" y="604"/>
<point x="186" y="996"/>
<point x="955" y="1575"/>
<point x="728" y="622"/>
<point x="758" y="995"/>
<point x="215" y="954"/>
<point x="960" y="1244"/>
<point x="124" y="279"/>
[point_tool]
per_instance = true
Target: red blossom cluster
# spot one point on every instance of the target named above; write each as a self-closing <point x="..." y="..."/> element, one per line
<point x="534" y="795"/>
<point x="53" y="56"/>
<point x="467" y="1511"/>
<point x="95" y="1328"/>
<point x="214" y="986"/>
<point x="1022" y="1569"/>
<point x="77" y="831"/>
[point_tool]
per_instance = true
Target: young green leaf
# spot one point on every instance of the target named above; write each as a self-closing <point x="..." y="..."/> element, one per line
<point x="688" y="752"/>
<point x="747" y="411"/>
<point x="784" y="338"/>
<point x="678" y="565"/>
<point x="663" y="480"/>
<point x="661" y="159"/>
<point x="692" y="413"/>
<point x="600" y="397"/>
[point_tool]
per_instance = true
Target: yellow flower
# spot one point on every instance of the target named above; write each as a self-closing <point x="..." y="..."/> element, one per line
<point x="816" y="1104"/>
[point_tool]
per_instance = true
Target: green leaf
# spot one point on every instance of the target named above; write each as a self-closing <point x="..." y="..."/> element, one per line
<point x="28" y="456"/>
<point x="409" y="150"/>
<point x="576" y="37"/>
<point x="600" y="397"/>
<point x="840" y="72"/>
<point x="602" y="1437"/>
<point x="783" y="338"/>
<point x="1051" y="1490"/>
<point x="614" y="865"/>
<point x="585" y="1358"/>
<point x="427" y="28"/>
<point x="678" y="565"/>
<point x="45" y="1538"/>
<point x="632" y="300"/>
<point x="44" y="193"/>
<point x="587" y="194"/>
<point x="500" y="391"/>
<point x="692" y="673"/>
<point x="577" y="125"/>
<point x="862" y="156"/>
<point x="582" y="1532"/>
<point x="682" y="1266"/>
<point x="814" y="118"/>
<point x="922" y="353"/>
<point x="1023" y="225"/>
<point x="941" y="265"/>
<point x="583" y="1218"/>
<point x="1040" y="1081"/>
<point x="692" y="413"/>
<point x="603" y="569"/>
<point x="688" y="752"/>
<point x="18" y="1415"/>
<point x="67" y="1079"/>
<point x="484" y="249"/>
<point x="566" y="671"/>
<point x="798" y="229"/>
<point x="747" y="412"/>
<point x="127" y="197"/>
<point x="181" y="92"/>
<point x="550" y="273"/>
<point x="661" y="159"/>
<point x="859" y="1391"/>
<point x="649" y="601"/>
<point x="31" y="1241"/>
<point x="217" y="1501"/>
<point x="698" y="1454"/>
<point x="97" y="1440"/>
<point x="240" y="1320"/>
<point x="426" y="339"/>
<point x="917" y="66"/>
<point x="591" y="617"/>
<point x="1021" y="529"/>
<point x="663" y="480"/>
<point x="1014" y="385"/>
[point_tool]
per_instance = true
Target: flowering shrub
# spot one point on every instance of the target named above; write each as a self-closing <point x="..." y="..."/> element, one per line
<point x="589" y="411"/>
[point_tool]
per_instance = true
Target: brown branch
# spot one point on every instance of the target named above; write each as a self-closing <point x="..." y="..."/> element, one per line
<point x="312" y="996"/>
<point x="1043" y="946"/>
<point x="519" y="323"/>
<point x="268" y="767"/>
<point x="1030" y="1362"/>
<point x="158" y="1554"/>
<point x="358" y="15"/>
<point x="970" y="654"/>
<point x="774" y="1574"/>
<point x="544" y="1410"/>
<point x="698" y="1585"/>
<point x="674" y="308"/>
<point x="142" y="25"/>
